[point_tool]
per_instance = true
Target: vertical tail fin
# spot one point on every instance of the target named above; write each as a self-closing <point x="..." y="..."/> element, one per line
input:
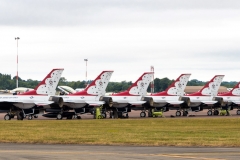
<point x="178" y="86"/>
<point x="141" y="85"/>
<point x="98" y="86"/>
<point x="236" y="90"/>
<point x="48" y="85"/>
<point x="211" y="88"/>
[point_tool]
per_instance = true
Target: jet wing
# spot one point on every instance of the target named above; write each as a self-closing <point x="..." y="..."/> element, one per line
<point x="95" y="103"/>
<point x="175" y="102"/>
<point x="168" y="101"/>
<point x="209" y="102"/>
<point x="74" y="101"/>
<point x="129" y="102"/>
<point x="137" y="102"/>
<point x="236" y="102"/>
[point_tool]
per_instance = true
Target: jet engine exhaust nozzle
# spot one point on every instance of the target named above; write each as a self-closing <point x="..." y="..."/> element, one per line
<point x="57" y="100"/>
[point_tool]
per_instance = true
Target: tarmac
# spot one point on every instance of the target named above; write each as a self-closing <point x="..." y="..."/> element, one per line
<point x="90" y="152"/>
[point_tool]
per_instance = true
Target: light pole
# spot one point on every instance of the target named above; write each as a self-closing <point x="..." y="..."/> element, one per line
<point x="86" y="70"/>
<point x="152" y="83"/>
<point x="17" y="38"/>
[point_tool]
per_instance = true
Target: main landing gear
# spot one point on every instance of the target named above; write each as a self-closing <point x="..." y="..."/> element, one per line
<point x="238" y="112"/>
<point x="210" y="112"/>
<point x="179" y="113"/>
<point x="143" y="113"/>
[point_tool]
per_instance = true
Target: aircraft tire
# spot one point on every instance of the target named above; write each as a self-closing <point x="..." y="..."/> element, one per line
<point x="7" y="117"/>
<point x="142" y="114"/>
<point x="178" y="114"/>
<point x="30" y="117"/>
<point x="79" y="117"/>
<point x="35" y="116"/>
<point x="185" y="113"/>
<point x="19" y="116"/>
<point x="216" y="112"/>
<point x="209" y="113"/>
<point x="238" y="112"/>
<point x="104" y="115"/>
<point x="115" y="114"/>
<point x="59" y="116"/>
<point x="111" y="115"/>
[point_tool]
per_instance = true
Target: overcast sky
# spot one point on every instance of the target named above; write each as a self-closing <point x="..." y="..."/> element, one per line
<point x="201" y="37"/>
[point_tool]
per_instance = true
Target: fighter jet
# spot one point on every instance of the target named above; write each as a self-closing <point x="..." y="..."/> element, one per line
<point x="29" y="103"/>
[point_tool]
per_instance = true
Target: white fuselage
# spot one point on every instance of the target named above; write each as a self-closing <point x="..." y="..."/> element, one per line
<point x="26" y="101"/>
<point x="197" y="100"/>
<point x="160" y="101"/>
<point x="231" y="99"/>
<point x="79" y="101"/>
<point x="123" y="101"/>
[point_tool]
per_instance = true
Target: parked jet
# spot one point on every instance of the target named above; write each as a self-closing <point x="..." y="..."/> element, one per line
<point x="80" y="102"/>
<point x="173" y="95"/>
<point x="232" y="98"/>
<point x="28" y="103"/>
<point x="206" y="98"/>
<point x="133" y="96"/>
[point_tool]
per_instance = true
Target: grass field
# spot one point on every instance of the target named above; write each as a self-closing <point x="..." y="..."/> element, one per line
<point x="147" y="132"/>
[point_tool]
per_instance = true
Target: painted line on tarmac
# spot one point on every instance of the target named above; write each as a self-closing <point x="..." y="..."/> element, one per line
<point x="184" y="156"/>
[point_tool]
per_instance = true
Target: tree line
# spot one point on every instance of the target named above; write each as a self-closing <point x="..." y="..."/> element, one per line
<point x="6" y="82"/>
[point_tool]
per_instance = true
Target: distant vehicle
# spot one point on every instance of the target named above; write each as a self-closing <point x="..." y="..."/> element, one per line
<point x="66" y="89"/>
<point x="16" y="90"/>
<point x="29" y="103"/>
<point x="173" y="95"/>
<point x="133" y="96"/>
<point x="81" y="102"/>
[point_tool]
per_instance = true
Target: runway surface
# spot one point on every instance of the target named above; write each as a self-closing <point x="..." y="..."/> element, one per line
<point x="89" y="152"/>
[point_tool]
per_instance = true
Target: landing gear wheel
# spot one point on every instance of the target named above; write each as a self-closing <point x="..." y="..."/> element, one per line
<point x="35" y="116"/>
<point x="185" y="113"/>
<point x="20" y="116"/>
<point x="209" y="113"/>
<point x="7" y="117"/>
<point x="215" y="112"/>
<point x="142" y="114"/>
<point x="59" y="116"/>
<point x="127" y="115"/>
<point x="238" y="112"/>
<point x="30" y="117"/>
<point x="178" y="114"/>
<point x="79" y="117"/>
<point x="104" y="115"/>
<point x="74" y="116"/>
